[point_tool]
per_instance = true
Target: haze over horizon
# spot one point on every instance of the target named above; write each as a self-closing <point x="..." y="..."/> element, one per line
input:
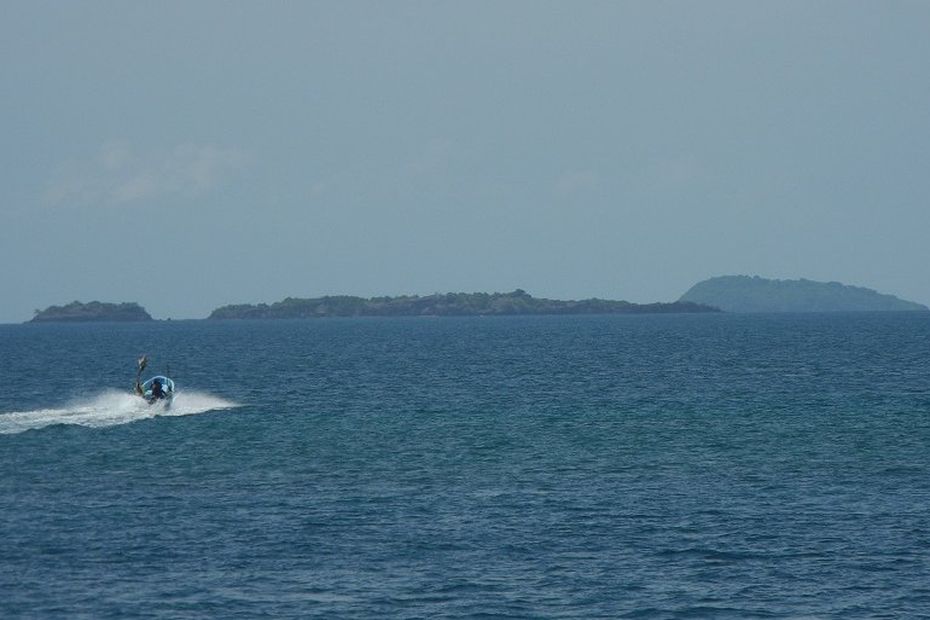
<point x="190" y="155"/>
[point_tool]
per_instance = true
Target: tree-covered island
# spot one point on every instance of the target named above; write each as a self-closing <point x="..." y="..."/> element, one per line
<point x="755" y="294"/>
<point x="94" y="311"/>
<point x="449" y="304"/>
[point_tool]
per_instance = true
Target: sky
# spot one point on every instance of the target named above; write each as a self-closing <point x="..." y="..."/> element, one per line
<point x="188" y="155"/>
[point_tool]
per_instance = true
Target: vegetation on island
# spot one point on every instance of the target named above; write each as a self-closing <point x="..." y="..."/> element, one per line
<point x="93" y="311"/>
<point x="755" y="294"/>
<point x="449" y="304"/>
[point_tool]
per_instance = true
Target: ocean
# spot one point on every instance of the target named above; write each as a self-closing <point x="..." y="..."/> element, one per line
<point x="647" y="466"/>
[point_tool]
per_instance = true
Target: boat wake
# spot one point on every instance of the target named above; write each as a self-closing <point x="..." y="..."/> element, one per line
<point x="110" y="408"/>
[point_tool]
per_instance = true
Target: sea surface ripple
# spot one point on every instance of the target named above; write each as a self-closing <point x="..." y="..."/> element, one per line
<point x="766" y="466"/>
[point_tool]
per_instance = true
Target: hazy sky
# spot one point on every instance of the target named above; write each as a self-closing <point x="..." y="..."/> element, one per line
<point x="187" y="155"/>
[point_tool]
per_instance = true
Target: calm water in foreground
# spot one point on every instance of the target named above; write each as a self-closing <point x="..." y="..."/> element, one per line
<point x="582" y="467"/>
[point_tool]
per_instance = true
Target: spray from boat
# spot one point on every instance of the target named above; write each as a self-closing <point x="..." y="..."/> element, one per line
<point x="110" y="408"/>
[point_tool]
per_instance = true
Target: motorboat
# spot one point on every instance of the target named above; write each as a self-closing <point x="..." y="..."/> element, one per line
<point x="159" y="388"/>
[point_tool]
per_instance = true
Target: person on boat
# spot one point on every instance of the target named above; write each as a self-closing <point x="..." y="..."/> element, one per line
<point x="157" y="392"/>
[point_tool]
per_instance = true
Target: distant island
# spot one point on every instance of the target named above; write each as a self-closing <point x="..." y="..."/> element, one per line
<point x="449" y="304"/>
<point x="755" y="294"/>
<point x="94" y="311"/>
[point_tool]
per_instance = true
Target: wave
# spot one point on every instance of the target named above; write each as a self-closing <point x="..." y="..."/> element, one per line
<point x="111" y="408"/>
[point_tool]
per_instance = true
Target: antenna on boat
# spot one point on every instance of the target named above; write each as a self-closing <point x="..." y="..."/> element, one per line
<point x="142" y="363"/>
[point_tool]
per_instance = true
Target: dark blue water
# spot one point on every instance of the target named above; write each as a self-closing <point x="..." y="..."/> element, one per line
<point x="582" y="467"/>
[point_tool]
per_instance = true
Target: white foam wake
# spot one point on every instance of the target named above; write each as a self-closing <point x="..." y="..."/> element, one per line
<point x="109" y="409"/>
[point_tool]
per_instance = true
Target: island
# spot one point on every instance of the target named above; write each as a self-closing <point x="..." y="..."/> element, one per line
<point x="755" y="294"/>
<point x="94" y="311"/>
<point x="450" y="304"/>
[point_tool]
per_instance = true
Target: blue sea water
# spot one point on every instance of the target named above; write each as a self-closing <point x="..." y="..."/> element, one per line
<point x="718" y="466"/>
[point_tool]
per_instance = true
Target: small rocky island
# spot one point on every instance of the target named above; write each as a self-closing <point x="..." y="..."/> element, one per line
<point x="755" y="294"/>
<point x="94" y="311"/>
<point x="449" y="304"/>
